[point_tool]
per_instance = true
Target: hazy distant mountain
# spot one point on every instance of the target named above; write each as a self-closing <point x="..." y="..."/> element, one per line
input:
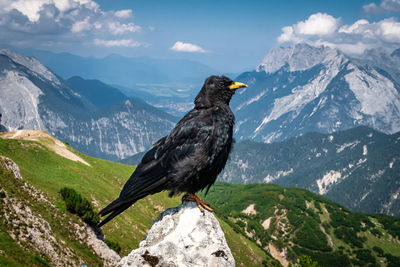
<point x="358" y="168"/>
<point x="169" y="84"/>
<point x="301" y="88"/>
<point x="384" y="60"/>
<point x="98" y="93"/>
<point x="125" y="71"/>
<point x="85" y="113"/>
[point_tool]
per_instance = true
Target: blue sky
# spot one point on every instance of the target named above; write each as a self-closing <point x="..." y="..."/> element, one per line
<point x="230" y="36"/>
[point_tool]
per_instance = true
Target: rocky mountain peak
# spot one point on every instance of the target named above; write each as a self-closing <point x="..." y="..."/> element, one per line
<point x="301" y="88"/>
<point x="298" y="57"/>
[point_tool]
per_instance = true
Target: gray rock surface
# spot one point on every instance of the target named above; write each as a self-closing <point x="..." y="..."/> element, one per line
<point x="182" y="236"/>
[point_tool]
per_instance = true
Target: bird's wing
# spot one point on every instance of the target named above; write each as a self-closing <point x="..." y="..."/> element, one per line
<point x="188" y="140"/>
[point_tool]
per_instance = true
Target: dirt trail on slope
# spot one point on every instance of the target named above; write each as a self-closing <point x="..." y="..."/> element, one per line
<point x="52" y="143"/>
<point x="277" y="255"/>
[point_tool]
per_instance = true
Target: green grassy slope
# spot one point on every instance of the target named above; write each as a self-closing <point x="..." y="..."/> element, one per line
<point x="101" y="182"/>
<point x="306" y="223"/>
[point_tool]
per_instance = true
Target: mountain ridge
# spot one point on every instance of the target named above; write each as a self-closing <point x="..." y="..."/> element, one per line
<point x="299" y="89"/>
<point x="32" y="97"/>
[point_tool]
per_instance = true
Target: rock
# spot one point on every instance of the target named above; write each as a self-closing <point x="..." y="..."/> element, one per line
<point x="182" y="236"/>
<point x="11" y="166"/>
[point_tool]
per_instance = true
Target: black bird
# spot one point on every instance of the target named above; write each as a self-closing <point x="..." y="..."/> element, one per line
<point x="190" y="158"/>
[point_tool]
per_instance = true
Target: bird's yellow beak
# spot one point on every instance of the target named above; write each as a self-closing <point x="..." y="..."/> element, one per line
<point x="236" y="85"/>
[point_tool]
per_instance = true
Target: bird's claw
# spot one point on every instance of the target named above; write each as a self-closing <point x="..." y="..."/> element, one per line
<point x="200" y="203"/>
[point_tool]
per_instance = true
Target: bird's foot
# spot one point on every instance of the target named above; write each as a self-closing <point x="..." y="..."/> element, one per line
<point x="200" y="203"/>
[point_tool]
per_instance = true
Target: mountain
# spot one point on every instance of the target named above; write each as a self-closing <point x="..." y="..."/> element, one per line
<point x="358" y="168"/>
<point x="98" y="93"/>
<point x="383" y="59"/>
<point x="169" y="84"/>
<point x="290" y="222"/>
<point x="85" y="113"/>
<point x="134" y="159"/>
<point x="38" y="230"/>
<point x="301" y="88"/>
<point x="124" y="71"/>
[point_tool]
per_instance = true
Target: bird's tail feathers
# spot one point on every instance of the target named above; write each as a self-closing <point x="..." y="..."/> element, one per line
<point x="110" y="207"/>
<point x="115" y="212"/>
<point x="126" y="200"/>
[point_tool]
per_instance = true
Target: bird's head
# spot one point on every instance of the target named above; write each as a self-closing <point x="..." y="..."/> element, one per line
<point x="217" y="89"/>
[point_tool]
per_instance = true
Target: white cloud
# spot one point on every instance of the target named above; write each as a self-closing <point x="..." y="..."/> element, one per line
<point x="323" y="29"/>
<point x="386" y="30"/>
<point x="390" y="30"/>
<point x="74" y="21"/>
<point x="124" y="13"/>
<point x="318" y="24"/>
<point x="187" y="47"/>
<point x="118" y="43"/>
<point x="288" y="35"/>
<point x="83" y="25"/>
<point x="386" y="6"/>
<point x="119" y="28"/>
<point x="355" y="27"/>
<point x="357" y="48"/>
<point x="33" y="8"/>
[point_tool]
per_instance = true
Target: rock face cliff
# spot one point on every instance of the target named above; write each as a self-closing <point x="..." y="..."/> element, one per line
<point x="182" y="236"/>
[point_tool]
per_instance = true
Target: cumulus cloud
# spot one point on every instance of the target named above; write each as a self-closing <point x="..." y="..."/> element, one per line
<point x="323" y="29"/>
<point x="83" y="25"/>
<point x="386" y="6"/>
<point x="187" y="47"/>
<point x="75" y="21"/>
<point x="318" y="24"/>
<point x="33" y="9"/>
